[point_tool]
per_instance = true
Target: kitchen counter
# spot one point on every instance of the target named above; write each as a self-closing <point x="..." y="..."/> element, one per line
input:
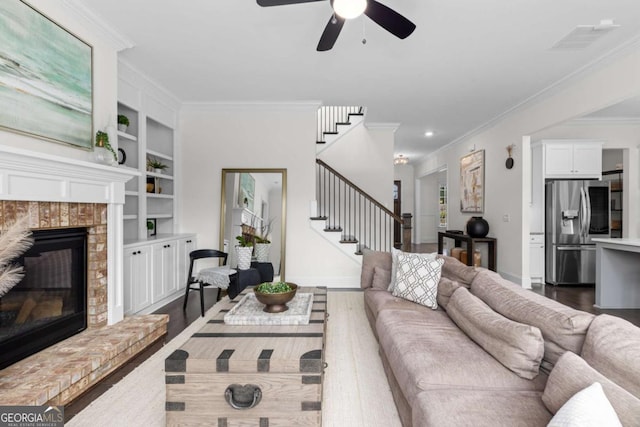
<point x="617" y="273"/>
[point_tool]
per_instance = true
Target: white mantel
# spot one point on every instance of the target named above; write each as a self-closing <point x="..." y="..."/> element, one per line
<point x="32" y="176"/>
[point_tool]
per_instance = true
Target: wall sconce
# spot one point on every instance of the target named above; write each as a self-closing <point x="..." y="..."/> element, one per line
<point x="509" y="163"/>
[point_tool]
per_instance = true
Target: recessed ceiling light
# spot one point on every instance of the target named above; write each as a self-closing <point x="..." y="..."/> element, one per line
<point x="428" y="133"/>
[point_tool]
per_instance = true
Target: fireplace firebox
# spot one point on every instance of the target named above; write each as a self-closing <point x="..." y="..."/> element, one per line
<point x="50" y="303"/>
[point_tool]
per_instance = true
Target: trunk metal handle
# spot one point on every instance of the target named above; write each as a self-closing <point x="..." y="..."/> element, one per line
<point x="243" y="396"/>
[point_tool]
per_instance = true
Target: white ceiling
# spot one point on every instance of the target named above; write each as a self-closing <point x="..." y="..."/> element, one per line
<point x="467" y="62"/>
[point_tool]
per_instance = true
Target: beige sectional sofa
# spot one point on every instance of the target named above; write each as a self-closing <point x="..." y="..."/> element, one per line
<point x="494" y="354"/>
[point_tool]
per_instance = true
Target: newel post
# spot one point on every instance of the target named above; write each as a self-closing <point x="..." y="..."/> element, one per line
<point x="406" y="232"/>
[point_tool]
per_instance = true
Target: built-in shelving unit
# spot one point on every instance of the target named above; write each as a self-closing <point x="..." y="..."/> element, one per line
<point x="150" y="198"/>
<point x="615" y="179"/>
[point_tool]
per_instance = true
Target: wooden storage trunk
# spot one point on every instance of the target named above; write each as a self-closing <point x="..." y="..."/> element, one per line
<point x="250" y="375"/>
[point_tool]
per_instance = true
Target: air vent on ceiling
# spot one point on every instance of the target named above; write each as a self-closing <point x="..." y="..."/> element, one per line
<point x="584" y="35"/>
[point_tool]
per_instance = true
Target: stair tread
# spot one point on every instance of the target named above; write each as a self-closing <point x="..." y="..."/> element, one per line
<point x="349" y="241"/>
<point x="343" y="123"/>
<point x="332" y="230"/>
<point x="318" y="218"/>
<point x="330" y="133"/>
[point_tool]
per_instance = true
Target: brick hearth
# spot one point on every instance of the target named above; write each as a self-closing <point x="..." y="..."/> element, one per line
<point x="65" y="370"/>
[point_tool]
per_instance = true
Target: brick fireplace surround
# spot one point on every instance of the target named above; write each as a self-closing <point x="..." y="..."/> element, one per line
<point x="74" y="194"/>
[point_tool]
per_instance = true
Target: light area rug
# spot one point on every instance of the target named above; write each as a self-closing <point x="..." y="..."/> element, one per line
<point x="355" y="393"/>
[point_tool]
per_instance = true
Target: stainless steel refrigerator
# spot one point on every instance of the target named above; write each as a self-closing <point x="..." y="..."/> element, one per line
<point x="576" y="212"/>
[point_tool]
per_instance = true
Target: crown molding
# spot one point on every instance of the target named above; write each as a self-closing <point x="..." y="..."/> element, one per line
<point x="251" y="105"/>
<point x="586" y="121"/>
<point x="117" y="40"/>
<point x="383" y="126"/>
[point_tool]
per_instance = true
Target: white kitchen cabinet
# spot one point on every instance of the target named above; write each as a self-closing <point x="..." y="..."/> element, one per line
<point x="571" y="159"/>
<point x="137" y="278"/>
<point x="536" y="254"/>
<point x="165" y="263"/>
<point x="155" y="271"/>
<point x="185" y="246"/>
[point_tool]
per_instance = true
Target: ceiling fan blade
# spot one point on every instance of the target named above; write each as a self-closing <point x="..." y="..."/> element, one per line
<point x="389" y="19"/>
<point x="330" y="33"/>
<point x="266" y="3"/>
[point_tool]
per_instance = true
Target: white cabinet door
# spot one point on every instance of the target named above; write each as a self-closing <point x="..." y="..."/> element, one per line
<point x="164" y="269"/>
<point x="137" y="275"/>
<point x="587" y="160"/>
<point x="559" y="160"/>
<point x="536" y="254"/>
<point x="573" y="160"/>
<point x="185" y="246"/>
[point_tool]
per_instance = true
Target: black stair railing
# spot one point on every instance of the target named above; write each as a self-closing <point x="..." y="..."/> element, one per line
<point x="329" y="117"/>
<point x="348" y="209"/>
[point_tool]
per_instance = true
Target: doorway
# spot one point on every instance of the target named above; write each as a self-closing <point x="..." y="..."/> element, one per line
<point x="397" y="210"/>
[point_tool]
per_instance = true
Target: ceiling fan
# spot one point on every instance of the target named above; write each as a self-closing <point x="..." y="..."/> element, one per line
<point x="387" y="18"/>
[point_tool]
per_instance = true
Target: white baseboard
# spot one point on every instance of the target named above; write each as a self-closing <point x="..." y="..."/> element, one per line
<point x="329" y="282"/>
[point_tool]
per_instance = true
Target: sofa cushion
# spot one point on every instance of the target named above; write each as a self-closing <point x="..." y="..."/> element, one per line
<point x="371" y="259"/>
<point x="562" y="327"/>
<point x="395" y="253"/>
<point x="417" y="279"/>
<point x="587" y="408"/>
<point x="572" y="374"/>
<point x="446" y="288"/>
<point x="457" y="271"/>
<point x="479" y="408"/>
<point x="381" y="278"/>
<point x="612" y="347"/>
<point x="517" y="346"/>
<point x="426" y="350"/>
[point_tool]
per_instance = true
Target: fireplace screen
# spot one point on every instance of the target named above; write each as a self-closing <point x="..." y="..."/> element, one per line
<point x="49" y="304"/>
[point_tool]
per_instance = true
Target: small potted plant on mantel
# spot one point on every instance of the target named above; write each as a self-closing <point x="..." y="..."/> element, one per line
<point x="155" y="165"/>
<point x="123" y="122"/>
<point x="103" y="152"/>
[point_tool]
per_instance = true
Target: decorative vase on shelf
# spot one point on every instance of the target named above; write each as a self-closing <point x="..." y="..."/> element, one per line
<point x="477" y="227"/>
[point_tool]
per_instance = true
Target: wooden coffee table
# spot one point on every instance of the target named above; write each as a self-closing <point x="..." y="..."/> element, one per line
<point x="249" y="375"/>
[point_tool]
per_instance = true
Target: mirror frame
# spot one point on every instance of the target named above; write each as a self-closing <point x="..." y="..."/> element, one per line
<point x="283" y="227"/>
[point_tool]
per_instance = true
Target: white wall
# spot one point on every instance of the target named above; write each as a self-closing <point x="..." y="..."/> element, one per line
<point x="365" y="156"/>
<point x="104" y="84"/>
<point x="404" y="173"/>
<point x="259" y="136"/>
<point x="507" y="191"/>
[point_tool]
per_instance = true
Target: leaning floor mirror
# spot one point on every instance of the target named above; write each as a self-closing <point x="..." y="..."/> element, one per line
<point x="253" y="206"/>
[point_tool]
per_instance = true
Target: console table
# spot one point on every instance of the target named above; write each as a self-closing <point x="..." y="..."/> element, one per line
<point x="471" y="242"/>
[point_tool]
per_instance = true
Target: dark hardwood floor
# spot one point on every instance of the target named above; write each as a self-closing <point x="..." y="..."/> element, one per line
<point x="581" y="298"/>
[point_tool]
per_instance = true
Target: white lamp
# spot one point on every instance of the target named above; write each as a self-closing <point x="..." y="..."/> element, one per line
<point x="349" y="9"/>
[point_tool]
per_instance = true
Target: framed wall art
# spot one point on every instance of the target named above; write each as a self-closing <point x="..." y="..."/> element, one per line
<point x="472" y="182"/>
<point x="247" y="191"/>
<point x="45" y="78"/>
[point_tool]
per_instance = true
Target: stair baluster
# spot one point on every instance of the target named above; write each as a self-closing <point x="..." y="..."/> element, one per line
<point x="346" y="208"/>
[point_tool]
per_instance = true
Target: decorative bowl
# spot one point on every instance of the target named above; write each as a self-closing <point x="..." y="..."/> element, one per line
<point x="275" y="302"/>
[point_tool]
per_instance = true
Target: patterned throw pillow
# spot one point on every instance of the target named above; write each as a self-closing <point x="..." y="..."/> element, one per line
<point x="417" y="279"/>
<point x="587" y="408"/>
<point x="395" y="253"/>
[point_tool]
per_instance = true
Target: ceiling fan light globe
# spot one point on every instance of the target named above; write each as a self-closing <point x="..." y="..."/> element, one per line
<point x="349" y="9"/>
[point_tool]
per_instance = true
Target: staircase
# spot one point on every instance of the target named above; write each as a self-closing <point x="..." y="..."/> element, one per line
<point x="334" y="122"/>
<point x="349" y="217"/>
<point x="346" y="215"/>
